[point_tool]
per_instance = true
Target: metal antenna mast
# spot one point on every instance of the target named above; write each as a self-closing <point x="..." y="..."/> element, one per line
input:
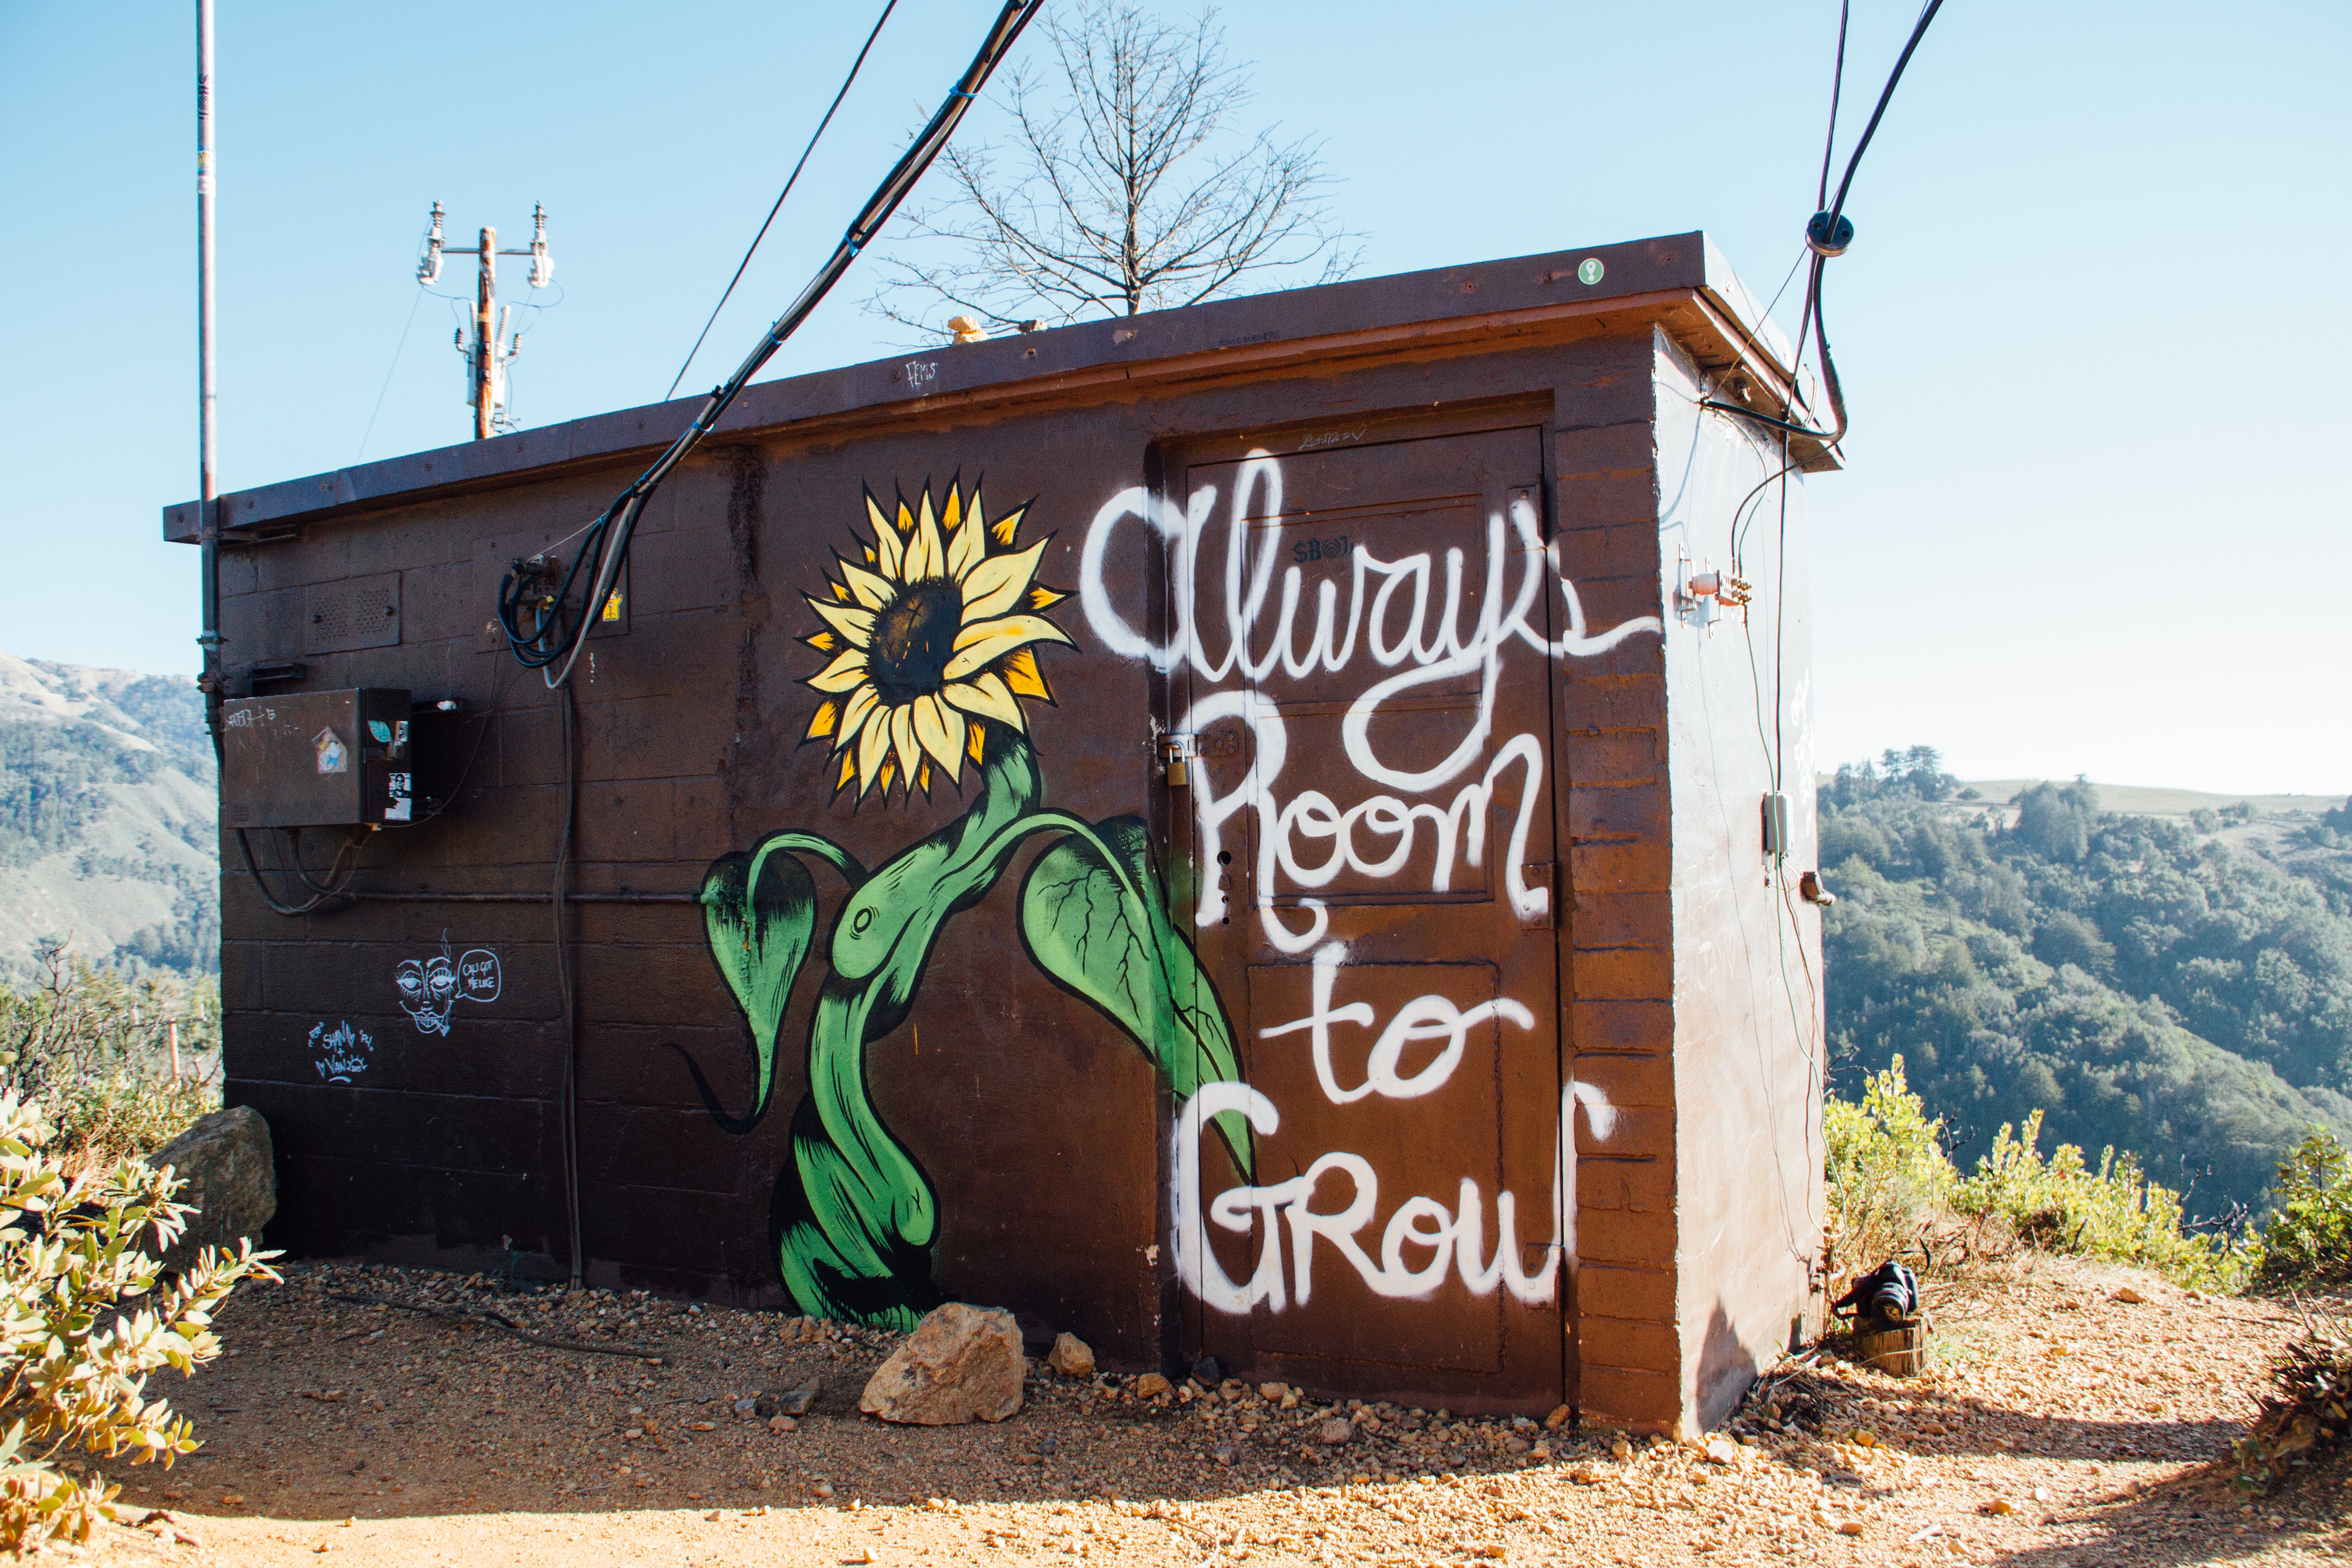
<point x="207" y="394"/>
<point x="492" y="347"/>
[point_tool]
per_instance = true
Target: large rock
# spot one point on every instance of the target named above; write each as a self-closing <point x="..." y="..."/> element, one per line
<point x="225" y="1164"/>
<point x="961" y="1363"/>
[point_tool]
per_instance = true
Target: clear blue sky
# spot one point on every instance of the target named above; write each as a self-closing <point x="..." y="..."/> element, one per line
<point x="2091" y="524"/>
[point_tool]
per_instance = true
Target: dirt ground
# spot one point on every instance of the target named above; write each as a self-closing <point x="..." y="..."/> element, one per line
<point x="2060" y="1425"/>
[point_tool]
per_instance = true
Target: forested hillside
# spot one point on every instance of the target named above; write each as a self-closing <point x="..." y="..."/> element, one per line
<point x="106" y="812"/>
<point x="2160" y="985"/>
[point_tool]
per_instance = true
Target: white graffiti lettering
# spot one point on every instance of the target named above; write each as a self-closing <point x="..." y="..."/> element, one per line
<point x="1452" y="1239"/>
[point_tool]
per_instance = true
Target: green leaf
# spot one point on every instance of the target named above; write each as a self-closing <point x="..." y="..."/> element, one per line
<point x="1109" y="938"/>
<point x="759" y="908"/>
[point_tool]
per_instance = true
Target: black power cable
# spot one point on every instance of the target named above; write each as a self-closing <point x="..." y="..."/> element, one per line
<point x="339" y="875"/>
<point x="552" y="641"/>
<point x="1829" y="233"/>
<point x="793" y="178"/>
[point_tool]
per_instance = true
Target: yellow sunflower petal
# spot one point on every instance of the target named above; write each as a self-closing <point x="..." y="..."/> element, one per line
<point x="996" y="584"/>
<point x="925" y="557"/>
<point x="902" y="739"/>
<point x="873" y="749"/>
<point x="987" y="696"/>
<point x="856" y="626"/>
<point x="838" y="591"/>
<point x="854" y="712"/>
<point x="846" y="670"/>
<point x="967" y="541"/>
<point x="1009" y="524"/>
<point x="952" y="518"/>
<point x="939" y="730"/>
<point x="886" y="538"/>
<point x="890" y="771"/>
<point x="991" y="640"/>
<point x="848" y="771"/>
<point x="1022" y="674"/>
<point x="923" y="777"/>
<point x="1042" y="597"/>
<point x="826" y="713"/>
<point x="824" y="642"/>
<point x="870" y="590"/>
<point x="978" y="743"/>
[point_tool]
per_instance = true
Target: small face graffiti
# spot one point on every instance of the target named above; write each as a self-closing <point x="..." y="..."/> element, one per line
<point x="427" y="991"/>
<point x="430" y="988"/>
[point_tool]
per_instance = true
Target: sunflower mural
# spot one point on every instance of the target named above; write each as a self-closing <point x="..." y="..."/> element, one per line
<point x="932" y="630"/>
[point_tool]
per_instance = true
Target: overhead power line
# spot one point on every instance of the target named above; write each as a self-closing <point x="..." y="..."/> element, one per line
<point x="558" y="627"/>
<point x="789" y="181"/>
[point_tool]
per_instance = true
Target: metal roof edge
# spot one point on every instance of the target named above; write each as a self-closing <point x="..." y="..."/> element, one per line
<point x="1456" y="297"/>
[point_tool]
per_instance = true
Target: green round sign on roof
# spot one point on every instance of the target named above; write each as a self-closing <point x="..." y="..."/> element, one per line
<point x="1588" y="271"/>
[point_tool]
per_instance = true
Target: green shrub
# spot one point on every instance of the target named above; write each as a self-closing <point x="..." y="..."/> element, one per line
<point x="2061" y="1205"/>
<point x="121" y="1067"/>
<point x="76" y="1346"/>
<point x="1893" y="1191"/>
<point x="2308" y="1240"/>
<point x="1889" y="1179"/>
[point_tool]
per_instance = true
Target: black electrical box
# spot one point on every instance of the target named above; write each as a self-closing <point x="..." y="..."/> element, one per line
<point x="317" y="759"/>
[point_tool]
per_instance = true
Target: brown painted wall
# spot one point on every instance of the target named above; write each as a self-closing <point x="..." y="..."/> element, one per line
<point x="1041" y="1130"/>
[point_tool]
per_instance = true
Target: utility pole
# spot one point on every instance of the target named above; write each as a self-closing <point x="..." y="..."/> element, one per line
<point x="492" y="348"/>
<point x="208" y="391"/>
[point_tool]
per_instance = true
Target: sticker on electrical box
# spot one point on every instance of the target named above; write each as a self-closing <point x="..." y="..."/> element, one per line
<point x="397" y="807"/>
<point x="381" y="731"/>
<point x="1589" y="271"/>
<point x="613" y="605"/>
<point x="334" y="757"/>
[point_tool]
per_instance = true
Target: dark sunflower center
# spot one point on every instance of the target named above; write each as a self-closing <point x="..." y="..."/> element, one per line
<point x="914" y="638"/>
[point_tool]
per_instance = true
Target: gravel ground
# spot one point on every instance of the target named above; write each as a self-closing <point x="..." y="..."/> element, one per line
<point x="2061" y="1425"/>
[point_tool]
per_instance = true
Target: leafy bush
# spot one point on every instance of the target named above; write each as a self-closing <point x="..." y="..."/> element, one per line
<point x="122" y="1067"/>
<point x="1893" y="1193"/>
<point x="2061" y="1205"/>
<point x="2308" y="1240"/>
<point x="75" y="1356"/>
<point x="1889" y="1179"/>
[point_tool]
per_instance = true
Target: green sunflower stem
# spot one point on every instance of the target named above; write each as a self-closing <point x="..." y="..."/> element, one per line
<point x="855" y="1214"/>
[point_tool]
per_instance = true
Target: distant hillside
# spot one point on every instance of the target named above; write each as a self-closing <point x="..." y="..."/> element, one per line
<point x="107" y="818"/>
<point x="2175" y="983"/>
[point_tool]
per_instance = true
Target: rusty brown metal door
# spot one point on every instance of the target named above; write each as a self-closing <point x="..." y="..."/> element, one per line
<point x="1360" y="745"/>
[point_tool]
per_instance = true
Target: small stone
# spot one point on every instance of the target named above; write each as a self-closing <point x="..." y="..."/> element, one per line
<point x="1208" y="1372"/>
<point x="232" y="1499"/>
<point x="2128" y="1296"/>
<point x="1335" y="1431"/>
<point x="1864" y="1437"/>
<point x="703" y="1427"/>
<point x="2042" y="1494"/>
<point x="1850" y="1527"/>
<point x="1584" y="1475"/>
<point x="798" y="1401"/>
<point x="961" y="1363"/>
<point x="1150" y="1386"/>
<point x="746" y="1406"/>
<point x="1515" y="1444"/>
<point x="823" y="1488"/>
<point x="1071" y="1356"/>
<point x="1226" y="1455"/>
<point x="712" y="1516"/>
<point x="1560" y="1417"/>
<point x="783" y="1424"/>
<point x="1999" y="1507"/>
<point x="1620" y="1448"/>
<point x="1274" y="1391"/>
<point x="1541" y="1451"/>
<point x="1721" y="1451"/>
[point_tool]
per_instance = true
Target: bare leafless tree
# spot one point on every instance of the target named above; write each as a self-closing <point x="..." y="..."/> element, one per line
<point x="1124" y="188"/>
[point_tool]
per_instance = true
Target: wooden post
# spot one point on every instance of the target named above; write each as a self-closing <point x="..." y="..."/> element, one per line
<point x="175" y="1052"/>
<point x="485" y="344"/>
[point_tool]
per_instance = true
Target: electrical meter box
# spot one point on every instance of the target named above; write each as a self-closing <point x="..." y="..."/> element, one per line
<point x="317" y="759"/>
